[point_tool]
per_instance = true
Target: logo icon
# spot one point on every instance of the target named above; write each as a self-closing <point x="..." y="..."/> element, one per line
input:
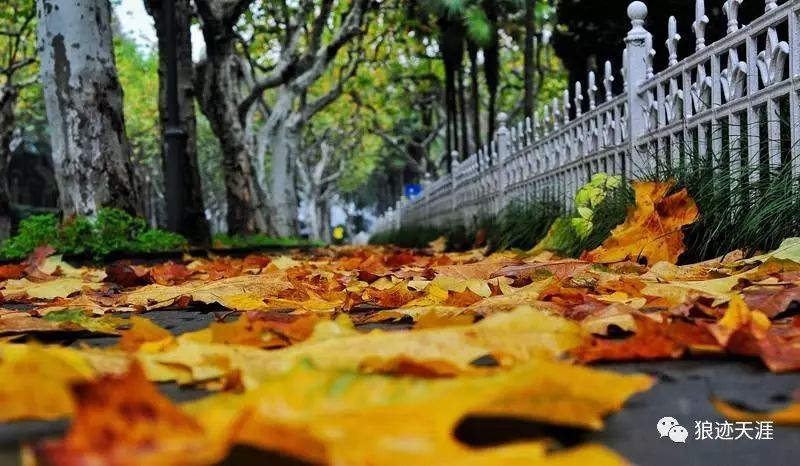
<point x="670" y="427"/>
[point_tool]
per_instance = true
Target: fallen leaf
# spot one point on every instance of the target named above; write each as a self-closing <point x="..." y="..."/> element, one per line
<point x="265" y="329"/>
<point x="37" y="381"/>
<point x="789" y="415"/>
<point x="124" y="420"/>
<point x="652" y="229"/>
<point x="170" y="274"/>
<point x="142" y="331"/>
<point x="650" y="340"/>
<point x="316" y="415"/>
<point x="244" y="293"/>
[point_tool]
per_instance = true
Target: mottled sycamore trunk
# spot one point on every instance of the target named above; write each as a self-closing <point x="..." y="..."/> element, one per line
<point x="283" y="200"/>
<point x="83" y="98"/>
<point x="218" y="79"/>
<point x="194" y="225"/>
<point x="279" y="139"/>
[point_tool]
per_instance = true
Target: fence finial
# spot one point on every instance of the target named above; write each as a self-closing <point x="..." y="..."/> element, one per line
<point x="637" y="12"/>
<point x="772" y="61"/>
<point x="672" y="40"/>
<point x="565" y="106"/>
<point x="502" y="120"/>
<point x="625" y="69"/>
<point x="556" y="114"/>
<point x="731" y="10"/>
<point x="548" y="122"/>
<point x="592" y="91"/>
<point x="771" y="5"/>
<point x="700" y="22"/>
<point x="608" y="81"/>
<point x="649" y="55"/>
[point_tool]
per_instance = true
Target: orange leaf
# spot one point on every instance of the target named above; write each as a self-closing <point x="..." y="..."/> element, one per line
<point x="12" y="271"/>
<point x="265" y="329"/>
<point x="125" y="420"/>
<point x="397" y="296"/>
<point x="651" y="340"/>
<point x="170" y="274"/>
<point x="142" y="331"/>
<point x="652" y="230"/>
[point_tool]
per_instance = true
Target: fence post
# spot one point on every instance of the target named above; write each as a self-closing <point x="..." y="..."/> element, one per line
<point x="388" y="219"/>
<point x="398" y="214"/>
<point x="426" y="197"/>
<point x="502" y="139"/>
<point x="638" y="43"/>
<point x="454" y="182"/>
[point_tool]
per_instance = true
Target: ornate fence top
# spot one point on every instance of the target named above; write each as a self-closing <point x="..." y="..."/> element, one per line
<point x="737" y="97"/>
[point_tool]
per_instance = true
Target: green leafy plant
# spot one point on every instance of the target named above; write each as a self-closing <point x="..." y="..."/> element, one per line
<point x="600" y="206"/>
<point x="261" y="241"/>
<point x="111" y="231"/>
<point x="35" y="231"/>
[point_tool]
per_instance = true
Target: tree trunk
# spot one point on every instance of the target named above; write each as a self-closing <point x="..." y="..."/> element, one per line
<point x="530" y="58"/>
<point x="450" y="110"/>
<point x="83" y="98"/>
<point x="492" y="65"/>
<point x="462" y="105"/>
<point x="194" y="224"/>
<point x="325" y="220"/>
<point x="218" y="85"/>
<point x="451" y="43"/>
<point x="282" y="198"/>
<point x="475" y="93"/>
<point x="313" y="216"/>
<point x="8" y="101"/>
<point x="279" y="138"/>
<point x="319" y="219"/>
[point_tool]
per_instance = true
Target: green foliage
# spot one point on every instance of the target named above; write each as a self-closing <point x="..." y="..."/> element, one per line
<point x="589" y="198"/>
<point x="111" y="231"/>
<point x="261" y="241"/>
<point x="608" y="213"/>
<point x="600" y="205"/>
<point x="159" y="240"/>
<point x="459" y="237"/>
<point x="34" y="231"/>
<point x="138" y="76"/>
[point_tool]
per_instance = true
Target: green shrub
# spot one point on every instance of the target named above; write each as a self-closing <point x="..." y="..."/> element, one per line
<point x="261" y="241"/>
<point x="34" y="231"/>
<point x="159" y="240"/>
<point x="112" y="230"/>
<point x="409" y="236"/>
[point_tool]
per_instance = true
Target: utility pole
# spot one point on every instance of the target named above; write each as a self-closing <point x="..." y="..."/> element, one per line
<point x="174" y="134"/>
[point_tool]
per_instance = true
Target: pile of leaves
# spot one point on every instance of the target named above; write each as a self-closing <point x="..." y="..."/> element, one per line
<point x="303" y="370"/>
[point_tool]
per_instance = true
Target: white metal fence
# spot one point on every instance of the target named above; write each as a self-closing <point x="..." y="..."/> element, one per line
<point x="736" y="99"/>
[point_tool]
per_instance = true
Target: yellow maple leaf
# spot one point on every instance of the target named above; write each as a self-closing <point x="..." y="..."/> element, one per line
<point x="652" y="229"/>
